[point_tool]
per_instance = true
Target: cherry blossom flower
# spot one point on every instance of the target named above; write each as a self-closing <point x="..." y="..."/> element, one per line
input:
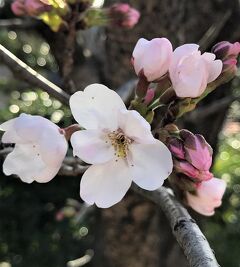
<point x="190" y="72"/>
<point x="208" y="196"/>
<point x="119" y="144"/>
<point x="153" y="57"/>
<point x="39" y="150"/>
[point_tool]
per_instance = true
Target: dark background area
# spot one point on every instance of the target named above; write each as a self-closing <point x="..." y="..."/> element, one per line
<point x="40" y="225"/>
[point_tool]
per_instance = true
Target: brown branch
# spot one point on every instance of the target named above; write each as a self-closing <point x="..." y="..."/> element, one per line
<point x="189" y="236"/>
<point x="26" y="73"/>
<point x="185" y="229"/>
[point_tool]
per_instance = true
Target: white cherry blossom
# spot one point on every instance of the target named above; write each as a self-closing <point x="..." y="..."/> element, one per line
<point x="119" y="144"/>
<point x="39" y="149"/>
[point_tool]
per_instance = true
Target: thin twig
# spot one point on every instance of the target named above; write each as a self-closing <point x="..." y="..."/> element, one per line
<point x="205" y="111"/>
<point x="212" y="33"/>
<point x="24" y="72"/>
<point x="81" y="261"/>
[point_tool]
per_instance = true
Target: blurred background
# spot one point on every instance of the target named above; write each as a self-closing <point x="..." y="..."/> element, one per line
<point x="47" y="225"/>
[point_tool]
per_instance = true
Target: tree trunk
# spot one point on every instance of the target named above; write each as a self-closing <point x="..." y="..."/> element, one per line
<point x="135" y="233"/>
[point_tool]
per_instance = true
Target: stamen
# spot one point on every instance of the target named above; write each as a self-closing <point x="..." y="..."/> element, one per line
<point x="120" y="142"/>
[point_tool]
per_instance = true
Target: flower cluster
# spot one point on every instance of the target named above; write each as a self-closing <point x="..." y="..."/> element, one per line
<point x="189" y="70"/>
<point x="192" y="157"/>
<point x="117" y="142"/>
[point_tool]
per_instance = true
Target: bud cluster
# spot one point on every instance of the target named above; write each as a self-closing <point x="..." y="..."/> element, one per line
<point x="57" y="13"/>
<point x="192" y="155"/>
<point x="180" y="78"/>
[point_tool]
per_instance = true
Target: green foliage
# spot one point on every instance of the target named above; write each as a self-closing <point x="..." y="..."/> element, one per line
<point x="223" y="229"/>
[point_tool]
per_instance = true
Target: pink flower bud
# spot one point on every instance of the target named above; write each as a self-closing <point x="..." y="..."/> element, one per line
<point x="152" y="57"/>
<point x="230" y="65"/>
<point x="176" y="147"/>
<point x="18" y="7"/>
<point x="224" y="50"/>
<point x="190" y="72"/>
<point x="186" y="168"/>
<point x="36" y="7"/>
<point x="149" y="96"/>
<point x="197" y="151"/>
<point x="208" y="196"/>
<point x="124" y="15"/>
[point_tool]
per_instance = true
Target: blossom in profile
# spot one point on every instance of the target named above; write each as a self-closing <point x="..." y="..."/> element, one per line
<point x="190" y="71"/>
<point x="208" y="196"/>
<point x="119" y="145"/>
<point x="152" y="58"/>
<point x="40" y="148"/>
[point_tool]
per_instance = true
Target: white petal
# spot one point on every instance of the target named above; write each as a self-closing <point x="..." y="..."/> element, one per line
<point x="53" y="147"/>
<point x="140" y="47"/>
<point x="105" y="184"/>
<point x="10" y="135"/>
<point x="91" y="146"/>
<point x="182" y="51"/>
<point x="135" y="127"/>
<point x="7" y="125"/>
<point x="46" y="174"/>
<point x="24" y="162"/>
<point x="152" y="164"/>
<point x="30" y="128"/>
<point x="96" y="107"/>
<point x="214" y="66"/>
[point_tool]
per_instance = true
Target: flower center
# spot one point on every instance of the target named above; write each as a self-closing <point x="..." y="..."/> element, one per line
<point x="120" y="142"/>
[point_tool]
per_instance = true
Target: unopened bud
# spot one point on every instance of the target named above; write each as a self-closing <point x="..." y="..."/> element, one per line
<point x="197" y="151"/>
<point x="149" y="96"/>
<point x="18" y="7"/>
<point x="176" y="147"/>
<point x="123" y="15"/>
<point x="225" y="50"/>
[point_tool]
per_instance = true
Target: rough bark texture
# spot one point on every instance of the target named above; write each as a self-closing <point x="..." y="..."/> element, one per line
<point x="134" y="232"/>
